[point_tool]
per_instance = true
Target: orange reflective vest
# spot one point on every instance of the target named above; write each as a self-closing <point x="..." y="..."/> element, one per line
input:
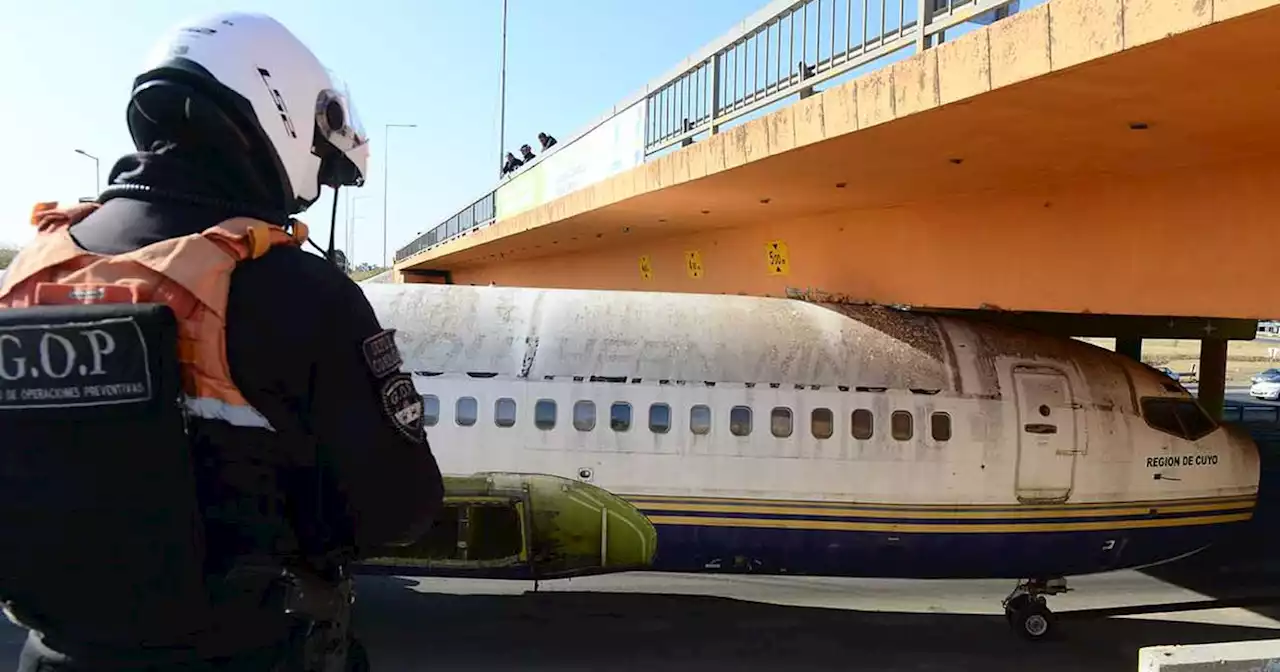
<point x="191" y="274"/>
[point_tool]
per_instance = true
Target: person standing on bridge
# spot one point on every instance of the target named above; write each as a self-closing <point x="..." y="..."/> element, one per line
<point x="291" y="428"/>
<point x="511" y="164"/>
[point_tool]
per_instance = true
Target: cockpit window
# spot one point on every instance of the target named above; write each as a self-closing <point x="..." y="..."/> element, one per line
<point x="1182" y="418"/>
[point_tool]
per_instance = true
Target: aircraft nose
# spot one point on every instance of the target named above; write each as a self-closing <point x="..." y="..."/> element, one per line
<point x="1244" y="449"/>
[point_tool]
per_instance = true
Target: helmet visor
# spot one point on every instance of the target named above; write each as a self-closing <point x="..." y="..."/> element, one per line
<point x="340" y="128"/>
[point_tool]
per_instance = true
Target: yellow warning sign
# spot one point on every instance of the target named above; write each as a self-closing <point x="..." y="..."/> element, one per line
<point x="693" y="264"/>
<point x="646" y="269"/>
<point x="777" y="257"/>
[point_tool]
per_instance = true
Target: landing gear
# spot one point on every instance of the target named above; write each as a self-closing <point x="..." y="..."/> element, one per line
<point x="1025" y="607"/>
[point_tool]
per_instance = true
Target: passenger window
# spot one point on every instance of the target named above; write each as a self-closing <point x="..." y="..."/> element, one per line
<point x="504" y="412"/>
<point x="544" y="414"/>
<point x="584" y="416"/>
<point x="740" y="420"/>
<point x="1182" y="418"/>
<point x="620" y="416"/>
<point x="700" y="419"/>
<point x="863" y="424"/>
<point x="466" y="411"/>
<point x="900" y="425"/>
<point x="659" y="418"/>
<point x="780" y="422"/>
<point x="822" y="423"/>
<point x="940" y="426"/>
<point x="430" y="410"/>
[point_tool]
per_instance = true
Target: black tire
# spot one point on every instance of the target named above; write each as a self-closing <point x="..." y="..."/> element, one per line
<point x="1032" y="621"/>
<point x="357" y="657"/>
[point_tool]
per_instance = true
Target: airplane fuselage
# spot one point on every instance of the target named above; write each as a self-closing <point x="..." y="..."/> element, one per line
<point x="779" y="436"/>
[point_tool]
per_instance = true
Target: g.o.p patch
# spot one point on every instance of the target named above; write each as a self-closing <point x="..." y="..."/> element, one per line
<point x="381" y="353"/>
<point x="403" y="405"/>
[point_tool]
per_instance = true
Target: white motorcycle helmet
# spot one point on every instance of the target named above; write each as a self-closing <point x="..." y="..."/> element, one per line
<point x="244" y="76"/>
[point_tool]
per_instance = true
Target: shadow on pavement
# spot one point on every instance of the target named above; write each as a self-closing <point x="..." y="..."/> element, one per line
<point x="408" y="630"/>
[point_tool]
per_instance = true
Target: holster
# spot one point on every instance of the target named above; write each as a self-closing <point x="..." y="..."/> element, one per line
<point x="322" y="603"/>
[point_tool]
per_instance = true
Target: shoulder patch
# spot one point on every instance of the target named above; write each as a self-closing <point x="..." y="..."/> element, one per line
<point x="381" y="354"/>
<point x="403" y="406"/>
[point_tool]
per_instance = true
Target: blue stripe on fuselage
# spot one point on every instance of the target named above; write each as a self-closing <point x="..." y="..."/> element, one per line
<point x="932" y="541"/>
<point x="692" y="548"/>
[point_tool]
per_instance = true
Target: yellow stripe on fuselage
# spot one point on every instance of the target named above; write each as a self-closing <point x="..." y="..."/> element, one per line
<point x="645" y="500"/>
<point x="948" y="528"/>
<point x="968" y="513"/>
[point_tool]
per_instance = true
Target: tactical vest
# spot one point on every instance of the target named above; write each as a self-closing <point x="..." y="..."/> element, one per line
<point x="191" y="274"/>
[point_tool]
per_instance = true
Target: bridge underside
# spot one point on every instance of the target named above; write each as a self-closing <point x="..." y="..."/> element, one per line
<point x="1139" y="181"/>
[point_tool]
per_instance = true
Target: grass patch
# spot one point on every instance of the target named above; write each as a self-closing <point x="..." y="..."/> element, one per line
<point x="365" y="274"/>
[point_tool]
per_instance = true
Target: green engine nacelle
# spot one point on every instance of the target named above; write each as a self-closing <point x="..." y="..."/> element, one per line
<point x="526" y="526"/>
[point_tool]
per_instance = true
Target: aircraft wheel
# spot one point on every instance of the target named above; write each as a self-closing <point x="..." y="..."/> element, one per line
<point x="1031" y="619"/>
<point x="1015" y="604"/>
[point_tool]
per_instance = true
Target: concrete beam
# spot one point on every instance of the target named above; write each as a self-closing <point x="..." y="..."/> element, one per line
<point x="1117" y="326"/>
<point x="1130" y="347"/>
<point x="1213" y="375"/>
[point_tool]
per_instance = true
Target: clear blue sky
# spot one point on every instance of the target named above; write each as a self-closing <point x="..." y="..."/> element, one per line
<point x="69" y="64"/>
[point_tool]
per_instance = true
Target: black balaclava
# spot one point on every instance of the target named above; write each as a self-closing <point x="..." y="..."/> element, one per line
<point x="193" y="151"/>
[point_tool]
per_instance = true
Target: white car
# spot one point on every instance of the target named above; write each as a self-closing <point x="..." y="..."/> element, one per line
<point x="1266" y="385"/>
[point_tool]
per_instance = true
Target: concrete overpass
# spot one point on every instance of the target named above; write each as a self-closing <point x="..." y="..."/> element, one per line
<point x="1095" y="167"/>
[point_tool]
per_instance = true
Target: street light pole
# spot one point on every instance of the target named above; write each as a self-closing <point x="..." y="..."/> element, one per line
<point x="386" y="169"/>
<point x="97" y="173"/>
<point x="502" y="95"/>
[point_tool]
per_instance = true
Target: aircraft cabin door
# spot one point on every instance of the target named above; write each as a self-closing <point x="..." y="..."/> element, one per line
<point x="1046" y="434"/>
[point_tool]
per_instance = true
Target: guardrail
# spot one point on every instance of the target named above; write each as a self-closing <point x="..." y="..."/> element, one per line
<point x="477" y="214"/>
<point x="821" y="39"/>
<point x="785" y="49"/>
<point x="1246" y="412"/>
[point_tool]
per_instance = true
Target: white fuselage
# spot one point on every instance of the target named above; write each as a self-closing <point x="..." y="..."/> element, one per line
<point x="875" y="437"/>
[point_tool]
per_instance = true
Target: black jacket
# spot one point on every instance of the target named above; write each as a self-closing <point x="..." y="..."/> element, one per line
<point x="295" y="328"/>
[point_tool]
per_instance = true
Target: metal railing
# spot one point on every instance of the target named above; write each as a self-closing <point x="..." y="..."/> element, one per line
<point x="804" y="44"/>
<point x="1246" y="412"/>
<point x="783" y="50"/>
<point x="475" y="215"/>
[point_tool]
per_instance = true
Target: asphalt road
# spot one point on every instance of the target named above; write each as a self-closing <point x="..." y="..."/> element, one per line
<point x="1236" y="394"/>
<point x="668" y="622"/>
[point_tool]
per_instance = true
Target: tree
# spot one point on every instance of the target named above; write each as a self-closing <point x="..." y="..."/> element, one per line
<point x="365" y="271"/>
<point x="6" y="256"/>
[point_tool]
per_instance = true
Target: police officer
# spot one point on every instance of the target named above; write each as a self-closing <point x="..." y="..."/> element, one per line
<point x="235" y="117"/>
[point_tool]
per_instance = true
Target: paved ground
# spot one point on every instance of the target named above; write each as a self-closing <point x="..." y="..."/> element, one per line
<point x="620" y="623"/>
<point x="681" y="622"/>
<point x="1240" y="395"/>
